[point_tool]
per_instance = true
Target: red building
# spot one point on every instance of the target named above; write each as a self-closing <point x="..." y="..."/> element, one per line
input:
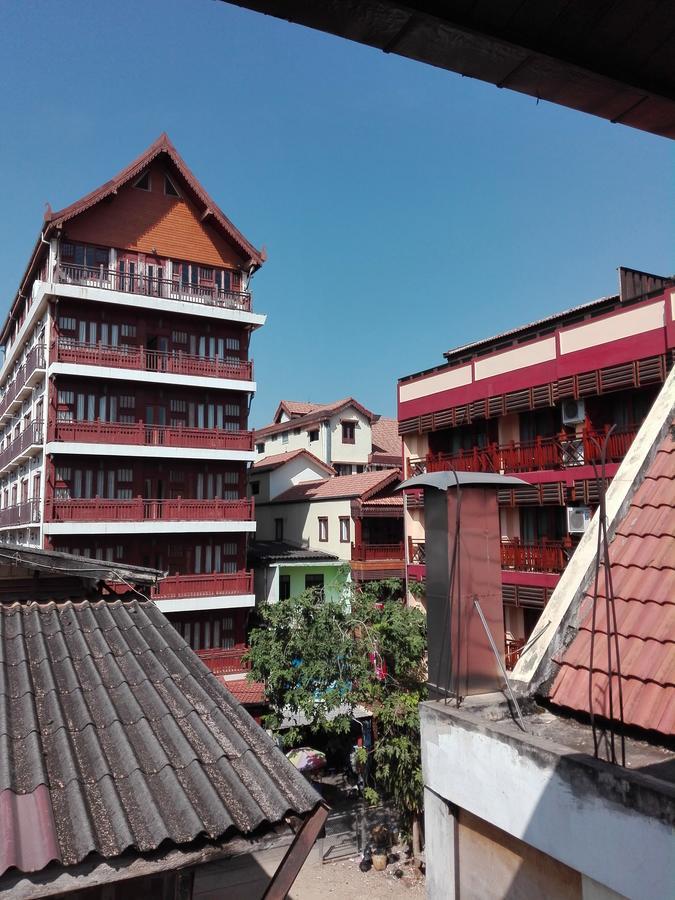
<point x="537" y="402"/>
<point x="125" y="391"/>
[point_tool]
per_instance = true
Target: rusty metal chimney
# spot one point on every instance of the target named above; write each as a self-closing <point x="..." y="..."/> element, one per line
<point x="463" y="564"/>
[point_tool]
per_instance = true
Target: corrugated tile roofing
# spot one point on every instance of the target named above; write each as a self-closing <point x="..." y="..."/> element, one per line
<point x="386" y="438"/>
<point x="245" y="691"/>
<point x="642" y="559"/>
<point x="362" y="485"/>
<point x="115" y="736"/>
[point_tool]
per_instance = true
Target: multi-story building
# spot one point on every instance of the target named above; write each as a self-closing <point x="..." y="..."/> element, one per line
<point x="538" y="402"/>
<point x="125" y="391"/>
<point x="354" y="519"/>
<point x="344" y="434"/>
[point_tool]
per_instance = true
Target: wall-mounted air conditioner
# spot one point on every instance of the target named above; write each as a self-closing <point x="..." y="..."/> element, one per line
<point x="573" y="412"/>
<point x="572" y="452"/>
<point x="578" y="519"/>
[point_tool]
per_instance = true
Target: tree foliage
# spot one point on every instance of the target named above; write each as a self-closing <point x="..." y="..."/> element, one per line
<point x="320" y="659"/>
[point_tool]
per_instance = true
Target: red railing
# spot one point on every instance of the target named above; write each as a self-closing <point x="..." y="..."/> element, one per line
<point x="225" y="662"/>
<point x="35" y="359"/>
<point x="129" y="357"/>
<point x="139" y="509"/>
<point x="29" y="437"/>
<point x="25" y="513"/>
<point x="140" y="434"/>
<point x="559" y="452"/>
<point x="203" y="585"/>
<point x="416" y="552"/>
<point x="368" y="552"/>
<point x="547" y="556"/>
<point x="165" y="288"/>
<point x="512" y="649"/>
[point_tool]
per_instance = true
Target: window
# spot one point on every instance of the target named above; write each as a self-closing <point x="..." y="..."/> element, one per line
<point x="313" y="435"/>
<point x="128" y="330"/>
<point x="348" y="432"/>
<point x="232" y="343"/>
<point x="179" y="337"/>
<point x="255" y="488"/>
<point x="284" y="587"/>
<point x="314" y="582"/>
<point x="144" y="183"/>
<point x="345" y="526"/>
<point x="67" y="323"/>
<point x="169" y="188"/>
<point x="260" y="448"/>
<point x="284" y="437"/>
<point x="323" y="528"/>
<point x="278" y="529"/>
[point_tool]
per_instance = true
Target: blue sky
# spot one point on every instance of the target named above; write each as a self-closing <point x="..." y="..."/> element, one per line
<point x="405" y="210"/>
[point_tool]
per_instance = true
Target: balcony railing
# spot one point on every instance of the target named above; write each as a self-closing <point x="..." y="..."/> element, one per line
<point x="370" y="552"/>
<point x="546" y="556"/>
<point x="26" y="513"/>
<point x="23" y="446"/>
<point x="34" y="363"/>
<point x="142" y="435"/>
<point x="142" y="359"/>
<point x="225" y="662"/>
<point x="513" y="647"/>
<point x="559" y="452"/>
<point x="203" y="585"/>
<point x="164" y="288"/>
<point x="416" y="552"/>
<point x="140" y="510"/>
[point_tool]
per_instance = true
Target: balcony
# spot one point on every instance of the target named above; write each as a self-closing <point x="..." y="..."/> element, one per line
<point x="560" y="452"/>
<point x="147" y="286"/>
<point x="142" y="510"/>
<point x="27" y="444"/>
<point x="371" y="562"/>
<point x="372" y="552"/>
<point x="546" y="556"/>
<point x="26" y="513"/>
<point x="32" y="369"/>
<point x="138" y="434"/>
<point x="215" y="585"/>
<point x="225" y="662"/>
<point x="143" y="360"/>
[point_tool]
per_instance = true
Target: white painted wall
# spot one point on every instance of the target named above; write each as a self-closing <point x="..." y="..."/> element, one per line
<point x="297" y="471"/>
<point x="301" y="524"/>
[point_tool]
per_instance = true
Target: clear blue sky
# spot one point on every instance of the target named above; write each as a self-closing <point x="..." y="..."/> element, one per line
<point x="405" y="210"/>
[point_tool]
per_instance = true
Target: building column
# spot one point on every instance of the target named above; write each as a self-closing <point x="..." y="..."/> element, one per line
<point x="440" y="848"/>
<point x="273" y="584"/>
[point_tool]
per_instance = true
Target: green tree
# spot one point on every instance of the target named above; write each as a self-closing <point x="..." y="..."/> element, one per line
<point x="319" y="657"/>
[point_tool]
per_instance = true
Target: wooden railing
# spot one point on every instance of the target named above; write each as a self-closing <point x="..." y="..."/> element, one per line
<point x="546" y="556"/>
<point x="416" y="552"/>
<point x="164" y="288"/>
<point x="214" y="585"/>
<point x="140" y="358"/>
<point x="139" y="509"/>
<point x="31" y="436"/>
<point x="560" y="452"/>
<point x="368" y="552"/>
<point x="25" y="513"/>
<point x="140" y="434"/>
<point x="35" y="359"/>
<point x="512" y="650"/>
<point x="225" y="662"/>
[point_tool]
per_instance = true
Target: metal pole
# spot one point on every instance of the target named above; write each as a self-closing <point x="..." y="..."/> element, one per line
<point x="476" y="603"/>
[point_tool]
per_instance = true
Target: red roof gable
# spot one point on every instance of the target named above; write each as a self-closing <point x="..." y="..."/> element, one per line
<point x="295" y="408"/>
<point x="280" y="459"/>
<point x="364" y="485"/>
<point x="642" y="559"/>
<point x="320" y="414"/>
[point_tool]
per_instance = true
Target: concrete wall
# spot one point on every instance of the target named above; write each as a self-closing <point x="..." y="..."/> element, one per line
<point x="297" y="471"/>
<point x="301" y="524"/>
<point x="609" y="824"/>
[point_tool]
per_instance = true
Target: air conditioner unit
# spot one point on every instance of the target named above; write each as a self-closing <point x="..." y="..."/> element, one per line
<point x="573" y="412"/>
<point x="572" y="452"/>
<point x="578" y="519"/>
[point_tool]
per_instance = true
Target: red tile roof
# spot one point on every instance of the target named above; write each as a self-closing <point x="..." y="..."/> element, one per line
<point x="320" y="414"/>
<point x="280" y="459"/>
<point x="245" y="691"/>
<point x="363" y="485"/>
<point x="642" y="558"/>
<point x="386" y="438"/>
<point x="296" y="408"/>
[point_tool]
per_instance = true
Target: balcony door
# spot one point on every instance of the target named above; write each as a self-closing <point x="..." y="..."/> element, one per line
<point x="153" y="494"/>
<point x="154" y="276"/>
<point x="155" y="422"/>
<point x="157" y="348"/>
<point x="128" y="271"/>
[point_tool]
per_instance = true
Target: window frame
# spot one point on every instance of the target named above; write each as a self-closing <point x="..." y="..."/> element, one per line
<point x="323" y="529"/>
<point x="348" y="426"/>
<point x="345" y="520"/>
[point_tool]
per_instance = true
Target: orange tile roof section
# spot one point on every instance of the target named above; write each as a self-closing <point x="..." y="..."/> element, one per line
<point x="317" y="415"/>
<point x="386" y="438"/>
<point x="280" y="459"/>
<point x="364" y="485"/>
<point x="244" y="691"/>
<point x="642" y="559"/>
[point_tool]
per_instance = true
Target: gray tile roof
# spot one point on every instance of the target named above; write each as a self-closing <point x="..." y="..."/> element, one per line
<point x="136" y="742"/>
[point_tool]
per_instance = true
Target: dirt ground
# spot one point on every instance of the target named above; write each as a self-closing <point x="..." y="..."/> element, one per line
<point x="344" y="880"/>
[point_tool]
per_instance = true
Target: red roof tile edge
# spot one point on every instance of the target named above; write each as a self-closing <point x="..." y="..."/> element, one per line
<point x="28" y="830"/>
